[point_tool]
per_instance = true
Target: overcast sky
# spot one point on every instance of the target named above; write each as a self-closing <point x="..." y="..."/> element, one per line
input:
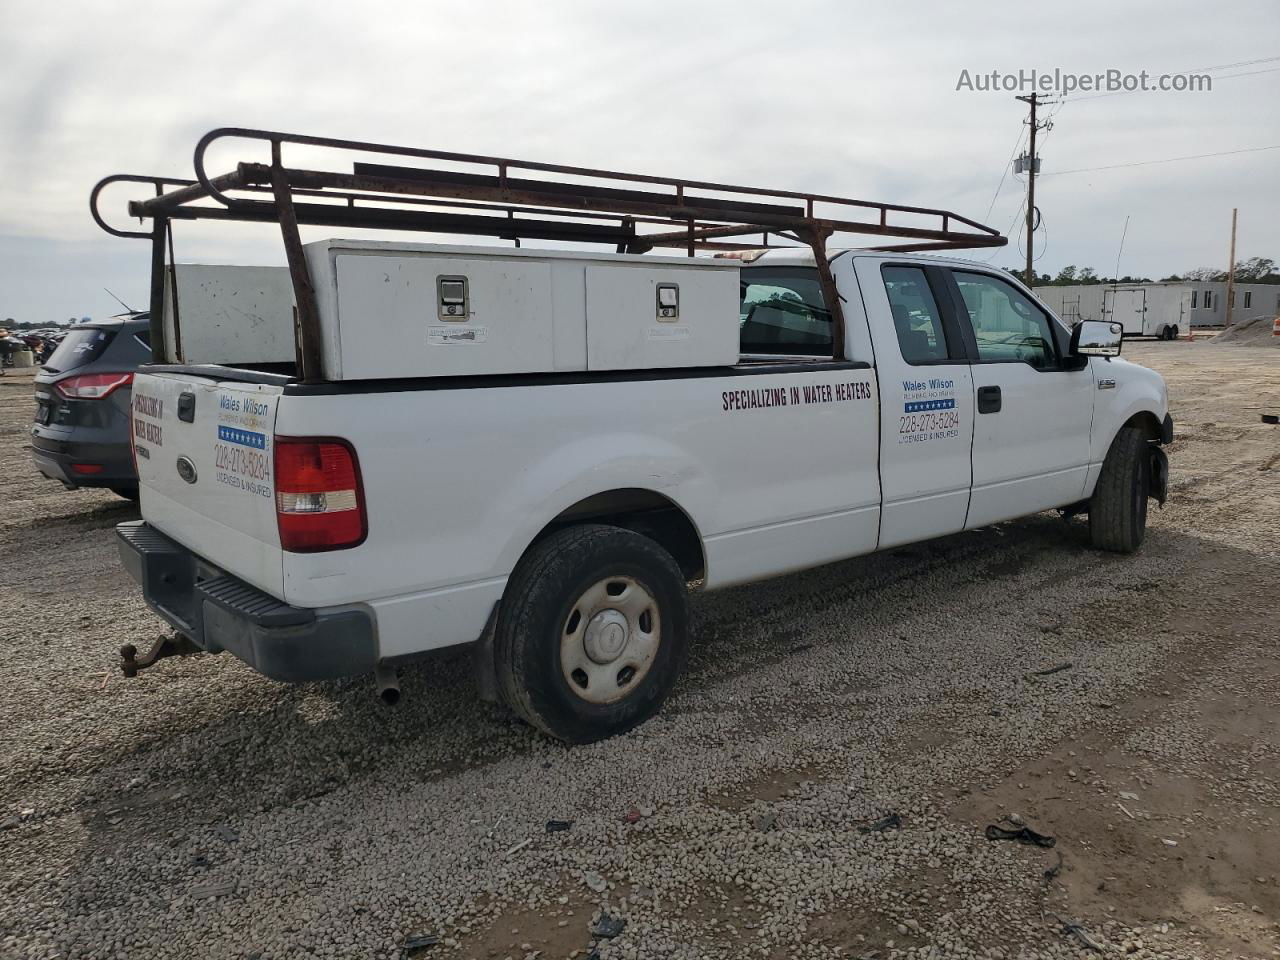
<point x="836" y="97"/>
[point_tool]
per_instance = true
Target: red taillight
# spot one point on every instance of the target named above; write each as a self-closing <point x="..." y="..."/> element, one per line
<point x="319" y="499"/>
<point x="92" y="386"/>
<point x="86" y="468"/>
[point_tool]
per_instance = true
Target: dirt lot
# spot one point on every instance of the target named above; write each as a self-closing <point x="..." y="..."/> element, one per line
<point x="201" y="810"/>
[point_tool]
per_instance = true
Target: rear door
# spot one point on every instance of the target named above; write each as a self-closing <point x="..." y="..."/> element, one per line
<point x="205" y="451"/>
<point x="1128" y="308"/>
<point x="1034" y="412"/>
<point x="926" y="400"/>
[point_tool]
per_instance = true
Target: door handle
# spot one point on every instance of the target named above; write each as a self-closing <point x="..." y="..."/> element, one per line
<point x="988" y="399"/>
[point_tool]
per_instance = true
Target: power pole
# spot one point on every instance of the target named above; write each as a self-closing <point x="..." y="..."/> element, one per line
<point x="1231" y="271"/>
<point x="1031" y="164"/>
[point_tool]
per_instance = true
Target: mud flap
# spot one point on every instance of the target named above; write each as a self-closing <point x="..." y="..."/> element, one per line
<point x="486" y="674"/>
<point x="1159" y="475"/>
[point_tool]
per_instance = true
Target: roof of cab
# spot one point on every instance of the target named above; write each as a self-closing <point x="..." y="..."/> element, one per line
<point x="803" y="255"/>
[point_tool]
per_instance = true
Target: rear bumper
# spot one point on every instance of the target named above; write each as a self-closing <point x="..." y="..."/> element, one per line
<point x="54" y="457"/>
<point x="219" y="612"/>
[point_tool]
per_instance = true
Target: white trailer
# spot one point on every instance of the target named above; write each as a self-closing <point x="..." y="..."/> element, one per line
<point x="1142" y="309"/>
<point x="1164" y="310"/>
<point x="548" y="498"/>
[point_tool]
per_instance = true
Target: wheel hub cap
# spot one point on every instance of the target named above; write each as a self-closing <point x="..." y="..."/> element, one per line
<point x="606" y="636"/>
<point x="610" y="639"/>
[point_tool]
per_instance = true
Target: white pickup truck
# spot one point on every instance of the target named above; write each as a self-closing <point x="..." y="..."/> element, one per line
<point x="551" y="497"/>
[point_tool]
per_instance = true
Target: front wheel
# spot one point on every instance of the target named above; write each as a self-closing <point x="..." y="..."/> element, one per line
<point x="591" y="633"/>
<point x="1118" y="508"/>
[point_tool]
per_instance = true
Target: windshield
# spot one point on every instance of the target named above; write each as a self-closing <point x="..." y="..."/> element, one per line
<point x="82" y="345"/>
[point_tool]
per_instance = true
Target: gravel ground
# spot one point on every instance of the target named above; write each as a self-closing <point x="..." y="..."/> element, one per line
<point x="201" y="810"/>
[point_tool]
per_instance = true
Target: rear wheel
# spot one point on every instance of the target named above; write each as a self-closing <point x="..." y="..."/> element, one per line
<point x="1173" y="333"/>
<point x="592" y="632"/>
<point x="1118" y="508"/>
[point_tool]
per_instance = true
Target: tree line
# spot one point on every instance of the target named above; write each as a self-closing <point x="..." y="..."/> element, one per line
<point x="1253" y="270"/>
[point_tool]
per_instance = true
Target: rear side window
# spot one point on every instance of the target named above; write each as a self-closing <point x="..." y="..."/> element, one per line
<point x="916" y="317"/>
<point x="782" y="311"/>
<point x="131" y="347"/>
<point x="81" y="346"/>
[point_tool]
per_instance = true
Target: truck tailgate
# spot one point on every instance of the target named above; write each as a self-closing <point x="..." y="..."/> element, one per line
<point x="204" y="449"/>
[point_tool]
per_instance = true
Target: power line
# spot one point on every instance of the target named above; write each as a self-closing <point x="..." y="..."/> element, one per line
<point x="1238" y="63"/>
<point x="1004" y="173"/>
<point x="1229" y="76"/>
<point x="998" y="250"/>
<point x="1247" y="73"/>
<point x="1143" y="163"/>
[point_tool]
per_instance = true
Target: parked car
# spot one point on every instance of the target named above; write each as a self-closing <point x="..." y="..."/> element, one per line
<point x="80" y="435"/>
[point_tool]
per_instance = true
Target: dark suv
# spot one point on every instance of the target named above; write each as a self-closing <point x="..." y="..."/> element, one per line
<point x="80" y="436"/>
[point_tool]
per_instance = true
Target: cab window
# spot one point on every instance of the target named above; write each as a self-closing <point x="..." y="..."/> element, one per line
<point x="916" y="317"/>
<point x="782" y="312"/>
<point x="1007" y="325"/>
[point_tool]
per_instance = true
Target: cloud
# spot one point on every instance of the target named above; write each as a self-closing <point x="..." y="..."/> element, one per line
<point x="857" y="100"/>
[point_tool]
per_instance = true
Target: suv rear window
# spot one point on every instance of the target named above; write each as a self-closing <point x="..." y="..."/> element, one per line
<point x="81" y="345"/>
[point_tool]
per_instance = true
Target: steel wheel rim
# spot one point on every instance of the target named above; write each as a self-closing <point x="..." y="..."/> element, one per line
<point x="609" y="639"/>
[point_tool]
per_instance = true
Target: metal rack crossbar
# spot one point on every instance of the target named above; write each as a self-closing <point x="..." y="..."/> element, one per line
<point x="512" y="200"/>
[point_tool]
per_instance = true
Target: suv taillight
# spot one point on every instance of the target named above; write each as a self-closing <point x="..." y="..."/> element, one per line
<point x="319" y="498"/>
<point x="92" y="386"/>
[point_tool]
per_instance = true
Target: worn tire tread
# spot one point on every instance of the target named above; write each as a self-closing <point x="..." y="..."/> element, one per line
<point x="1114" y="521"/>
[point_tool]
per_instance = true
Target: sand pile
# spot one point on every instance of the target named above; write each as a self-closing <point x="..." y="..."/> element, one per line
<point x="1250" y="333"/>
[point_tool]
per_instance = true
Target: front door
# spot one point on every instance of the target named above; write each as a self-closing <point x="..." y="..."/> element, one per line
<point x="1034" y="412"/>
<point x="926" y="401"/>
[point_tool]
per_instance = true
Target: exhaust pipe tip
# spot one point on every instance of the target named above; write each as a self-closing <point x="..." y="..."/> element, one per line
<point x="388" y="685"/>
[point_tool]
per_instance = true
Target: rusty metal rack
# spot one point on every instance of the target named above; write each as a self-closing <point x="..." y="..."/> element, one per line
<point x="497" y="197"/>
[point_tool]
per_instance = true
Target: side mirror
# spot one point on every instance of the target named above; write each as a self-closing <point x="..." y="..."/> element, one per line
<point x="1096" y="338"/>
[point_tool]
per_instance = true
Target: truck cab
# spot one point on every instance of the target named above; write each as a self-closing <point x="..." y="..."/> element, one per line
<point x="985" y="413"/>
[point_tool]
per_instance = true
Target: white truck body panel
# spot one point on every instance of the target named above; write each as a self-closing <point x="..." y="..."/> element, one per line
<point x="227" y="515"/>
<point x="926" y="470"/>
<point x="479" y="496"/>
<point x="228" y="314"/>
<point x="1020" y="464"/>
<point x="778" y="465"/>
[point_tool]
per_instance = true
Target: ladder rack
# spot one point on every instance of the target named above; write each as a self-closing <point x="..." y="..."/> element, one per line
<point x="511" y="200"/>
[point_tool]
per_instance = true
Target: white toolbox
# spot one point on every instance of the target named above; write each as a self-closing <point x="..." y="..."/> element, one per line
<point x="392" y="309"/>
